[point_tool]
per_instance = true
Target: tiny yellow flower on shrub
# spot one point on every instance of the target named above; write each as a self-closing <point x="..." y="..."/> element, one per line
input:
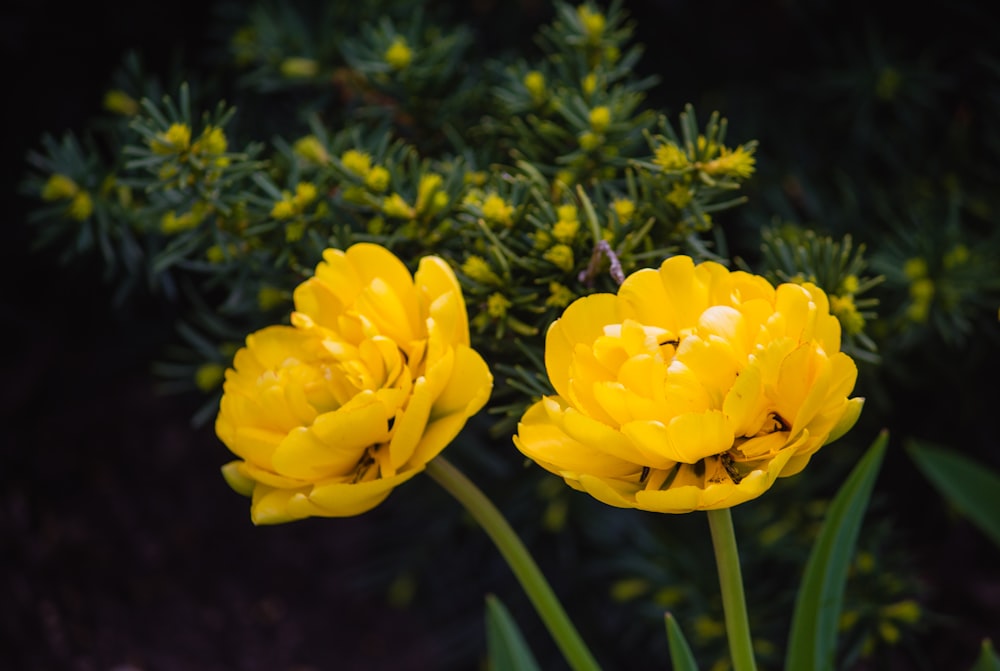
<point x="208" y="376"/>
<point x="479" y="270"/>
<point x="497" y="305"/>
<point x="81" y="207"/>
<point x="372" y="379"/>
<point x="846" y="311"/>
<point x="358" y="162"/>
<point x="396" y="206"/>
<point x="119" y="102"/>
<point x="589" y="141"/>
<point x="593" y="23"/>
<point x="298" y="68"/>
<point x="737" y="162"/>
<point x="398" y="55"/>
<point x="671" y="157"/>
<point x="915" y="268"/>
<point x="497" y="210"/>
<point x="305" y="193"/>
<point x="212" y="141"/>
<point x="624" y="208"/>
<point x="559" y="295"/>
<point x="377" y="179"/>
<point x="692" y="388"/>
<point x="534" y="81"/>
<point x="680" y="196"/>
<point x="589" y="84"/>
<point x="600" y="119"/>
<point x="311" y="149"/>
<point x="284" y="208"/>
<point x="59" y="187"/>
<point x="175" y="139"/>
<point x="565" y="231"/>
<point x="561" y="256"/>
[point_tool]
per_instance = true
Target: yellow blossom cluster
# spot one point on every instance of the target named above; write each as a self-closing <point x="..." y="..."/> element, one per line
<point x="293" y="205"/>
<point x="61" y="187"/>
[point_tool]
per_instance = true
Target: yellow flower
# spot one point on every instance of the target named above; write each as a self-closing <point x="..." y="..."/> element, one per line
<point x="590" y="141"/>
<point x="534" y="81"/>
<point x="624" y="208"/>
<point x="496" y="209"/>
<point x="737" y="162"/>
<point x="671" y="157"/>
<point x="559" y="295"/>
<point x="298" y="68"/>
<point x="560" y="255"/>
<point x="565" y="230"/>
<point x="593" y="23"/>
<point x="358" y="162"/>
<point x="176" y="139"/>
<point x="119" y="102"/>
<point x="212" y="141"/>
<point x="59" y="187"/>
<point x="81" y="207"/>
<point x="311" y="149"/>
<point x="846" y="311"/>
<point x="372" y="379"/>
<point x="398" y="55"/>
<point x="600" y="119"/>
<point x="478" y="269"/>
<point x="589" y="84"/>
<point x="378" y="179"/>
<point x="680" y="196"/>
<point x="396" y="206"/>
<point x="497" y="305"/>
<point x="208" y="376"/>
<point x="692" y="388"/>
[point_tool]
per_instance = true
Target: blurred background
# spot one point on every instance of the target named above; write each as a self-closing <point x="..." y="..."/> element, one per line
<point x="122" y="548"/>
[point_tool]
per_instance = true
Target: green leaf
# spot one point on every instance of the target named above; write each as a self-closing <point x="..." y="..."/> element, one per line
<point x="988" y="660"/>
<point x="680" y="652"/>
<point x="971" y="488"/>
<point x="504" y="642"/>
<point x="813" y="638"/>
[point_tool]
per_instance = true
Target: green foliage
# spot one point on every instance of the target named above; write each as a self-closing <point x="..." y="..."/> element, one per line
<point x="505" y="643"/>
<point x="813" y="638"/>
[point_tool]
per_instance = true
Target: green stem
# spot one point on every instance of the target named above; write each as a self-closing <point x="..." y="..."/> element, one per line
<point x="727" y="558"/>
<point x="520" y="561"/>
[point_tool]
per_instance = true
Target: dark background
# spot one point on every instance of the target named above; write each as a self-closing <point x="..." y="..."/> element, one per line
<point x="121" y="547"/>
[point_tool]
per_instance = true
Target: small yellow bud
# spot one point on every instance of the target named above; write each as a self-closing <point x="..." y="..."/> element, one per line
<point x="559" y="295"/>
<point x="429" y="186"/>
<point x="311" y="149"/>
<point x="175" y="139"/>
<point x="907" y="611"/>
<point x="376" y="225"/>
<point x="624" y="208"/>
<point x="737" y="162"/>
<point x="593" y="23"/>
<point x="590" y="141"/>
<point x="561" y="256"/>
<point x="357" y="162"/>
<point x="398" y="55"/>
<point x="850" y="284"/>
<point x="81" y="207"/>
<point x="565" y="231"/>
<point x="497" y="305"/>
<point x="213" y="141"/>
<point x="589" y="84"/>
<point x="534" y="81"/>
<point x="956" y="256"/>
<point x="119" y="102"/>
<point x="377" y="179"/>
<point x="59" y="187"/>
<point x="922" y="289"/>
<point x="294" y="230"/>
<point x="497" y="210"/>
<point x="208" y="376"/>
<point x="478" y="269"/>
<point x="305" y="193"/>
<point x="395" y="206"/>
<point x="680" y="196"/>
<point x="670" y="157"/>
<point x="600" y="119"/>
<point x="284" y="208"/>
<point x="298" y="68"/>
<point x="844" y="309"/>
<point x="915" y="268"/>
<point x="567" y="212"/>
